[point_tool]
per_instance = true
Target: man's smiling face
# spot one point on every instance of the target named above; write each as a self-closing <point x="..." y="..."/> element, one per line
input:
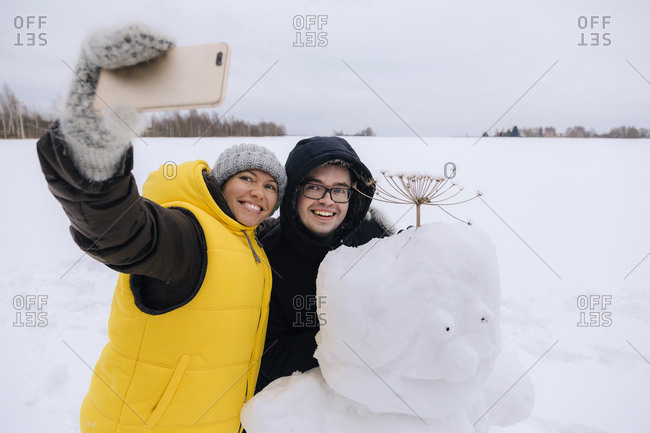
<point x="323" y="216"/>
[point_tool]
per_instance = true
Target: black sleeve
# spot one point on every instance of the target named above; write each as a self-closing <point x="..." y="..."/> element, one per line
<point x="374" y="225"/>
<point x="115" y="225"/>
<point x="285" y="351"/>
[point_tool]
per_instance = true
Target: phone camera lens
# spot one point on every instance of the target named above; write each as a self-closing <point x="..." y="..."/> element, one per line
<point x="219" y="58"/>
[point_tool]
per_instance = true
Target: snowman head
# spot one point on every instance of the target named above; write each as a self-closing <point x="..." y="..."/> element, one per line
<point x="411" y="322"/>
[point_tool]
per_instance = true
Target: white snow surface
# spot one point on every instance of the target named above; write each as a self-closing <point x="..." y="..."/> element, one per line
<point x="569" y="219"/>
<point x="410" y="325"/>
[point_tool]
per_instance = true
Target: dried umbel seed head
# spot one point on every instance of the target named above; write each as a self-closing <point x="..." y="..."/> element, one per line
<point x="419" y="189"/>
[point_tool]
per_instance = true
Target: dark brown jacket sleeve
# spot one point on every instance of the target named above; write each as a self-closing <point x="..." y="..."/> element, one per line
<point x="163" y="249"/>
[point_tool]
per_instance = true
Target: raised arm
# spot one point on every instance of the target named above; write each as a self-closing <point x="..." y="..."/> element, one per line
<point x="87" y="160"/>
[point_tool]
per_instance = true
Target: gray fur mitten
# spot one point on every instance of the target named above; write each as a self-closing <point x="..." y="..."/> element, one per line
<point x="96" y="143"/>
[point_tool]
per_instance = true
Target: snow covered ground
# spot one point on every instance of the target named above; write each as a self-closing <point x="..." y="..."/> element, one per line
<point x="568" y="217"/>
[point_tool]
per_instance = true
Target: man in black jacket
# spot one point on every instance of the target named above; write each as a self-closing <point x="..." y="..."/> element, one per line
<point x="326" y="205"/>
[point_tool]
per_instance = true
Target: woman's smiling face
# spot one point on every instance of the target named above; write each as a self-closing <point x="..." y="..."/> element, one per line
<point x="251" y="196"/>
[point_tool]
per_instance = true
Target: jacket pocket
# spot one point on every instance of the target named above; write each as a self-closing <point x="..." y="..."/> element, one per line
<point x="168" y="395"/>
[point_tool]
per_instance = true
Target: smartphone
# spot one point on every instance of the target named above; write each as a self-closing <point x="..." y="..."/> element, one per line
<point x="184" y="77"/>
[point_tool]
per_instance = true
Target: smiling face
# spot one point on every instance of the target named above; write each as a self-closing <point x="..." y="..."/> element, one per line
<point x="251" y="196"/>
<point x="323" y="216"/>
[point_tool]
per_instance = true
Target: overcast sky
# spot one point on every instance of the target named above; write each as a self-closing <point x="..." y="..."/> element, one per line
<point x="403" y="68"/>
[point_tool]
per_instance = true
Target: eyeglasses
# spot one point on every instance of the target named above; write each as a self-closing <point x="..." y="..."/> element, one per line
<point x="315" y="191"/>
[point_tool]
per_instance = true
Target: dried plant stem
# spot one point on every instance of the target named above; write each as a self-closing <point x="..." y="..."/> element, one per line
<point x="420" y="190"/>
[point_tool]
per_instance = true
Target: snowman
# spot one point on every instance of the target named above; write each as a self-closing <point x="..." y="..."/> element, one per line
<point x="410" y="341"/>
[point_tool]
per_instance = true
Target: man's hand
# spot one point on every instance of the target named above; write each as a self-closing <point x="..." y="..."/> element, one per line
<point x="97" y="142"/>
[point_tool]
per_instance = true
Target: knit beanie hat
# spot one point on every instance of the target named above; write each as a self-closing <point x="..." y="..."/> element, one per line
<point x="246" y="157"/>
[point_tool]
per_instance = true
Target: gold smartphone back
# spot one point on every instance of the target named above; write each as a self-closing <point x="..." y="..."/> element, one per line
<point x="185" y="77"/>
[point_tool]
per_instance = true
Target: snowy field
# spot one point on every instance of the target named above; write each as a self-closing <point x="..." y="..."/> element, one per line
<point x="569" y="218"/>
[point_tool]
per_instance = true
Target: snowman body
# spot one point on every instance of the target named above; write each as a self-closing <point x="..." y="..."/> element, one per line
<point x="409" y="339"/>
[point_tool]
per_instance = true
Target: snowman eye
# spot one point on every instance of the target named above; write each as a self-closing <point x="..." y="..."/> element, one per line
<point x="484" y="320"/>
<point x="447" y="329"/>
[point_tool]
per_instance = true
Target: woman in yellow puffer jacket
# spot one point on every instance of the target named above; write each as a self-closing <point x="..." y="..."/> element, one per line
<point x="188" y="317"/>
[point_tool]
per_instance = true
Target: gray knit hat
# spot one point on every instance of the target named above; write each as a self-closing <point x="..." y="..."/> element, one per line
<point x="246" y="157"/>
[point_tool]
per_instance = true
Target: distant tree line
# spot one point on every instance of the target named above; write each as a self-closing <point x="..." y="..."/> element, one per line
<point x="368" y="132"/>
<point x="573" y="132"/>
<point x="18" y="121"/>
<point x="208" y="124"/>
